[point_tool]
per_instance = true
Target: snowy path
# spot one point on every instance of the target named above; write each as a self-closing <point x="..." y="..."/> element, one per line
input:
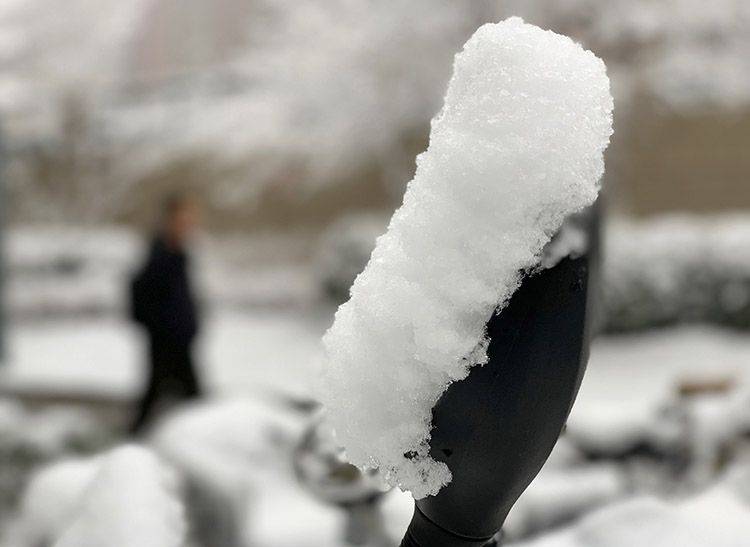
<point x="278" y="351"/>
<point x="240" y="352"/>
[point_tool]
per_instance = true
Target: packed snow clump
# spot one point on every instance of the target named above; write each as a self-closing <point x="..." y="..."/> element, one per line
<point x="516" y="148"/>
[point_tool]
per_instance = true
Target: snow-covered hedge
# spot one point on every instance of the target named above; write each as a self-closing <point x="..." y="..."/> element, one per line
<point x="656" y="272"/>
<point x="677" y="269"/>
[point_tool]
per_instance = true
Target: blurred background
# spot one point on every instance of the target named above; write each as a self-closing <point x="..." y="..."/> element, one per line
<point x="294" y="125"/>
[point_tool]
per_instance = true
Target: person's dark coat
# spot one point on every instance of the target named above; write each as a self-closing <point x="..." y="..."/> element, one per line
<point x="162" y="301"/>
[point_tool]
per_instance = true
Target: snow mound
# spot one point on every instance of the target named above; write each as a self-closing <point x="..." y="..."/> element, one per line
<point x="230" y="444"/>
<point x="517" y="147"/>
<point x="51" y="500"/>
<point x="132" y="500"/>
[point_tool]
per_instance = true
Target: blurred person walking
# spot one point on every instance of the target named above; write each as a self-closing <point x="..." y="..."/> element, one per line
<point x="164" y="304"/>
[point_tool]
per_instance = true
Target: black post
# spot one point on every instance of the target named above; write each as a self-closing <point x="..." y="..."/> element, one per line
<point x="496" y="428"/>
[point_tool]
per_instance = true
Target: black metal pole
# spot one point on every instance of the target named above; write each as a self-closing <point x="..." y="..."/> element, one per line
<point x="496" y="428"/>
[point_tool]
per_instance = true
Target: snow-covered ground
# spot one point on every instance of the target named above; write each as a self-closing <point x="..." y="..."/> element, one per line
<point x="254" y="351"/>
<point x="718" y="518"/>
<point x="246" y="352"/>
<point x="66" y="335"/>
<point x="630" y="379"/>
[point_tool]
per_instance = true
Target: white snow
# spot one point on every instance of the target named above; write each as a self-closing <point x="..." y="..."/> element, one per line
<point x="676" y="268"/>
<point x="132" y="500"/>
<point x="716" y="518"/>
<point x="314" y="523"/>
<point x="67" y="356"/>
<point x="230" y="443"/>
<point x="517" y="147"/>
<point x="266" y="351"/>
<point x="628" y="377"/>
<point x="631" y="378"/>
<point x="122" y="498"/>
<point x="51" y="500"/>
<point x="559" y="495"/>
<point x="263" y="351"/>
<point x="228" y="450"/>
<point x="627" y="380"/>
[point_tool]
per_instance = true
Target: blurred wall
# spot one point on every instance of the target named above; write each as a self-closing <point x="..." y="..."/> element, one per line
<point x="685" y="161"/>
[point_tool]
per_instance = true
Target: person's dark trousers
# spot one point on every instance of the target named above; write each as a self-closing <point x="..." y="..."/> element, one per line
<point x="172" y="375"/>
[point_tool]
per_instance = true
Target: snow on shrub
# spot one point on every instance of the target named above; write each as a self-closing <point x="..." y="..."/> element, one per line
<point x="677" y="269"/>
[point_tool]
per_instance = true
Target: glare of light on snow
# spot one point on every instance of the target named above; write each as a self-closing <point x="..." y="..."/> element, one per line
<point x="516" y="148"/>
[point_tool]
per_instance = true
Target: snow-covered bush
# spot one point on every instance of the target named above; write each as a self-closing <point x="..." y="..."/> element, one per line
<point x="656" y="272"/>
<point x="677" y="269"/>
<point x="54" y="270"/>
